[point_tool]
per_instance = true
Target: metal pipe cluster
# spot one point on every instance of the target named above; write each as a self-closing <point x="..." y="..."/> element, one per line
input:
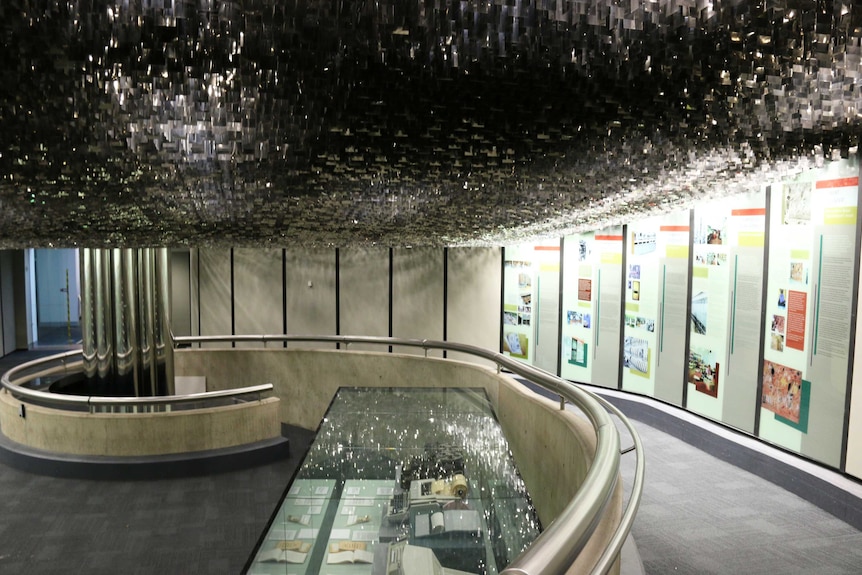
<point x="125" y="320"/>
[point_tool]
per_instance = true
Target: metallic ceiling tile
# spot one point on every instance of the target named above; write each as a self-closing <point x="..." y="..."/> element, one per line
<point x="268" y="122"/>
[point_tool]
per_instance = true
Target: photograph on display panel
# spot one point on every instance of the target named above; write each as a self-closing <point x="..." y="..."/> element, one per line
<point x="643" y="243"/>
<point x="636" y="355"/>
<point x="703" y="371"/>
<point x="578" y="318"/>
<point x="797" y="203"/>
<point x="585" y="289"/>
<point x="699" y="305"/>
<point x="776" y="341"/>
<point x="778" y="324"/>
<point x="710" y="259"/>
<point x="710" y="229"/>
<point x="583" y="250"/>
<point x="639" y="322"/>
<point x="799" y="273"/>
<point x="575" y="351"/>
<point x="516" y="344"/>
<point x="782" y="390"/>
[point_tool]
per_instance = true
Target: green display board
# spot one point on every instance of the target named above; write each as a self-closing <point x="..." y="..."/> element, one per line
<point x="724" y="324"/>
<point x="656" y="293"/>
<point x="592" y="267"/>
<point x="811" y="243"/>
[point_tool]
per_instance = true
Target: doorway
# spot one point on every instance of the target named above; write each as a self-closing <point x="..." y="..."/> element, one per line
<point x="57" y="305"/>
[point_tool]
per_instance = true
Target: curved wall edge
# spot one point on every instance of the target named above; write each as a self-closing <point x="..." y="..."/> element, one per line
<point x="138" y="434"/>
<point x="552" y="448"/>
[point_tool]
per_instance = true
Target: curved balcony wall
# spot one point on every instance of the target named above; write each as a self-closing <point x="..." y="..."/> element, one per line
<point x="553" y="448"/>
<point x="138" y="434"/>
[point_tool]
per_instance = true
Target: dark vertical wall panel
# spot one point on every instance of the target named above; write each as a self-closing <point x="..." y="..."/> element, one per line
<point x="7" y="302"/>
<point x="181" y="305"/>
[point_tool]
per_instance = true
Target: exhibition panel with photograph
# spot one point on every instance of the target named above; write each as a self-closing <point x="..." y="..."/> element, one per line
<point x="519" y="274"/>
<point x="546" y="311"/>
<point x="809" y="305"/>
<point x="726" y="288"/>
<point x="740" y="309"/>
<point x="592" y="264"/>
<point x="530" y="322"/>
<point x="656" y="295"/>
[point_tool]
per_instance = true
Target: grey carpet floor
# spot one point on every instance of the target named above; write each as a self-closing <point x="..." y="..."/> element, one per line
<point x="206" y="524"/>
<point x="700" y="515"/>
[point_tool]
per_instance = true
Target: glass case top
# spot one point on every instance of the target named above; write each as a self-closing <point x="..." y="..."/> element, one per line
<point x="402" y="480"/>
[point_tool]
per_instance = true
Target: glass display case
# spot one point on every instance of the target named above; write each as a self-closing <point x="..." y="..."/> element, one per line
<point x="402" y="480"/>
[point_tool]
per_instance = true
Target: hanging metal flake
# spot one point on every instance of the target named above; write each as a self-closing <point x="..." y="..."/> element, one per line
<point x="168" y="122"/>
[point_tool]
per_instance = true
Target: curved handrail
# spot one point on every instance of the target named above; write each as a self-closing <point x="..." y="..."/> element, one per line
<point x="560" y="543"/>
<point x="608" y="557"/>
<point x="7" y="382"/>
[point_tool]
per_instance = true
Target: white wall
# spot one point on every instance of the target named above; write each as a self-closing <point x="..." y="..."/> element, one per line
<point x="417" y="296"/>
<point x="474" y="305"/>
<point x="309" y="277"/>
<point x="215" y="297"/>
<point x="258" y="292"/>
<point x="364" y="292"/>
<point x="418" y="310"/>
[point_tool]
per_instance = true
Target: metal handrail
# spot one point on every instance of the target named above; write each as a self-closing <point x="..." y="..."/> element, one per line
<point x="9" y="382"/>
<point x="561" y="542"/>
<point x="607" y="559"/>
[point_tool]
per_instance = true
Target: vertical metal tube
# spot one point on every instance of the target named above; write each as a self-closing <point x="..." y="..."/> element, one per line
<point x="126" y="320"/>
<point x="130" y="306"/>
<point x="102" y="300"/>
<point x="122" y="349"/>
<point x="165" y="337"/>
<point x="88" y="333"/>
<point x="148" y="341"/>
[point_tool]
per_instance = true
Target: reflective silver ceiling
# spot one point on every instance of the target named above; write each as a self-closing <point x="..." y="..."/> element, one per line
<point x="276" y="122"/>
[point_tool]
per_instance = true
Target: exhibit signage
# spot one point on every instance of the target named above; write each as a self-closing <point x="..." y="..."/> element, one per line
<point x="656" y="290"/>
<point x="591" y="307"/>
<point x="809" y="303"/>
<point x="727" y="263"/>
<point x="518" y="278"/>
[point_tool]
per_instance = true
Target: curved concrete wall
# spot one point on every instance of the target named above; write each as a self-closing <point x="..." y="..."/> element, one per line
<point x="553" y="448"/>
<point x="139" y="434"/>
<point x="306" y="380"/>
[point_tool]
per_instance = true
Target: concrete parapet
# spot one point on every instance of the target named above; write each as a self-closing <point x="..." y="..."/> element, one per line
<point x="137" y="434"/>
<point x="553" y="448"/>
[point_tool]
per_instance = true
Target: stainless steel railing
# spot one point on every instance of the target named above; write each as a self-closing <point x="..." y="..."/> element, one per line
<point x="71" y="363"/>
<point x="561" y="542"/>
<point x="554" y="550"/>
